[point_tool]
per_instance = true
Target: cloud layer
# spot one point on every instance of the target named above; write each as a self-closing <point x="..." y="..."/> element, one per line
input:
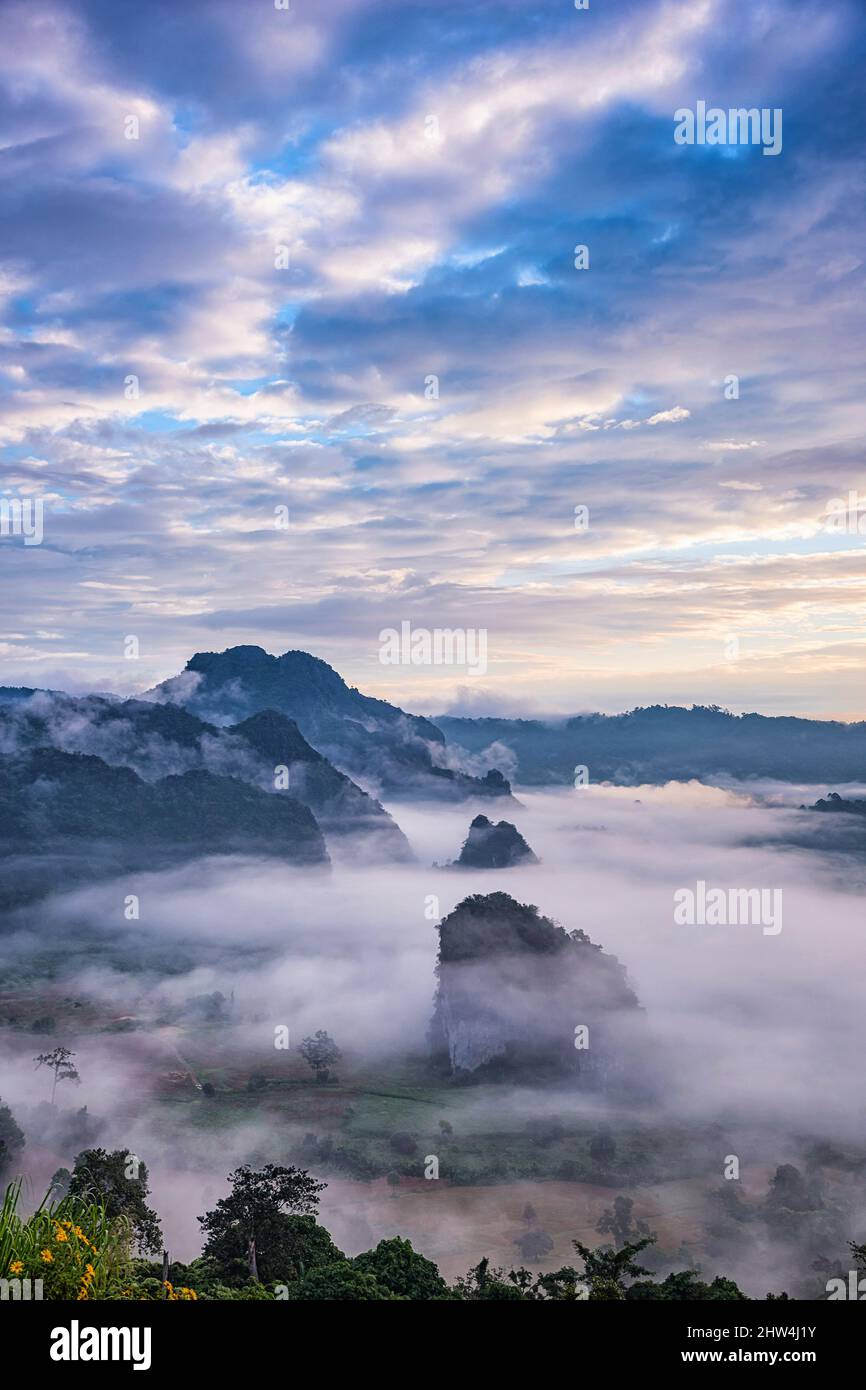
<point x="323" y="259"/>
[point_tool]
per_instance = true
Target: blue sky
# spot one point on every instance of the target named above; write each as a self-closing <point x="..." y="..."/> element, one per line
<point x="428" y="170"/>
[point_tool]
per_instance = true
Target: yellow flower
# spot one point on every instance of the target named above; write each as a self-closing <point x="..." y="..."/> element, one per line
<point x="16" y="1266"/>
<point x="90" y="1270"/>
<point x="60" y="1235"/>
<point x="47" y="1257"/>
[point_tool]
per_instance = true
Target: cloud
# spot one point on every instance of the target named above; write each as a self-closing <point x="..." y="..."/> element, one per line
<point x="428" y="385"/>
<point x="745" y="1027"/>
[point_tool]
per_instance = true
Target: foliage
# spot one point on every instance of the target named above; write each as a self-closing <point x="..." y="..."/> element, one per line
<point x="686" y="1287"/>
<point x="11" y="1139"/>
<point x="59" y="1060"/>
<point x="320" y="1052"/>
<point x="485" y="1284"/>
<point x="619" y="1222"/>
<point x="255" y="1210"/>
<point x="73" y="1246"/>
<point x="81" y="1244"/>
<point x="120" y="1180"/>
<point x="396" y="1266"/>
<point x="340" y="1281"/>
<point x="534" y="1245"/>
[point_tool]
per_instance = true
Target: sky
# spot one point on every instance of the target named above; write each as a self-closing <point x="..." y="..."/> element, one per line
<point x="293" y="347"/>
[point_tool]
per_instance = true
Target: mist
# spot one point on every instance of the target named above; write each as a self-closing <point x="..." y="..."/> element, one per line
<point x="759" y="1036"/>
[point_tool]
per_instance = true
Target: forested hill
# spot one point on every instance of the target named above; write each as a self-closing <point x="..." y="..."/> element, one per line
<point x="664" y="742"/>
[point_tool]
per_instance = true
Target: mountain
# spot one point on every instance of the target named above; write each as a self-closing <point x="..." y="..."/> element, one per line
<point x="341" y="808"/>
<point x="513" y="988"/>
<point x="664" y="743"/>
<point x="835" y="802"/>
<point x="156" y="740"/>
<point x="489" y="846"/>
<point x="69" y="818"/>
<point x="400" y="754"/>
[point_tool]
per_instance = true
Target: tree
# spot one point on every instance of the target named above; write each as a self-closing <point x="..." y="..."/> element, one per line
<point x="534" y="1245"/>
<point x="343" y="1282"/>
<point x="529" y="1214"/>
<point x="59" y="1187"/>
<point x="789" y="1189"/>
<point x="686" y="1287"/>
<point x="396" y="1266"/>
<point x="249" y="1221"/>
<point x="11" y="1139"/>
<point x="605" y="1270"/>
<point x="295" y="1246"/>
<point x="483" y="1284"/>
<point x="60" y="1063"/>
<point x="619" y="1222"/>
<point x="120" y="1180"/>
<point x="321" y="1052"/>
<point x="403" y="1143"/>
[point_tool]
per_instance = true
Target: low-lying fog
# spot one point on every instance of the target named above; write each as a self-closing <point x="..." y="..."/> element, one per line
<point x="753" y="1027"/>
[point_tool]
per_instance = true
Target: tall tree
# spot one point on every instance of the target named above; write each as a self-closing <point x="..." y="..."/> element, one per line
<point x="119" y="1179"/>
<point x="321" y="1052"/>
<point x="250" y="1222"/>
<point x="60" y="1062"/>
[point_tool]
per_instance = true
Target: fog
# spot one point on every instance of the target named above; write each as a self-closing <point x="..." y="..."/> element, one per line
<point x="760" y="1035"/>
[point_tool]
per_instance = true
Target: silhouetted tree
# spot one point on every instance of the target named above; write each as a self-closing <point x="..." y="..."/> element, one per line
<point x="59" y="1061"/>
<point x="619" y="1222"/>
<point x="250" y="1222"/>
<point x="321" y="1052"/>
<point x="534" y="1245"/>
<point x="120" y="1180"/>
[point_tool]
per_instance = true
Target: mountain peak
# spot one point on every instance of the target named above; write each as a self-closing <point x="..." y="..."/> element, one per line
<point x="248" y="658"/>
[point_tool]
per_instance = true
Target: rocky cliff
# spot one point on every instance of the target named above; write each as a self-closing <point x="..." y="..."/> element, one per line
<point x="489" y="846"/>
<point x="518" y="996"/>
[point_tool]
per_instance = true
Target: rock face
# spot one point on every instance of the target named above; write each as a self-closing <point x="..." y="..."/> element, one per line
<point x="513" y="989"/>
<point x="489" y="846"/>
<point x="402" y="755"/>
